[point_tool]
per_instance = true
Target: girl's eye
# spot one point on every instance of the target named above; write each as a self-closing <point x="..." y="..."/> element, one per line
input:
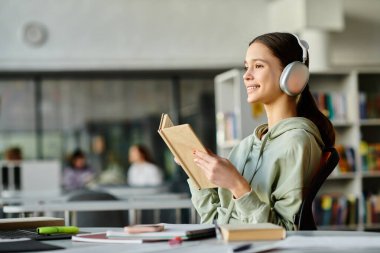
<point x="245" y="67"/>
<point x="258" y="66"/>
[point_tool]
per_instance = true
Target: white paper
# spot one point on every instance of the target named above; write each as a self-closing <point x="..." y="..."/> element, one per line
<point x="322" y="242"/>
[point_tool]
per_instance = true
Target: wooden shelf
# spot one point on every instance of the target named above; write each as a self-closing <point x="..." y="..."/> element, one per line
<point x="338" y="227"/>
<point x="342" y="123"/>
<point x="371" y="174"/>
<point x="372" y="226"/>
<point x="370" y="122"/>
<point x="339" y="176"/>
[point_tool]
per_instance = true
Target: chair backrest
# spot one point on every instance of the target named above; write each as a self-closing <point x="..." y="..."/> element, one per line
<point x="97" y="218"/>
<point x="329" y="161"/>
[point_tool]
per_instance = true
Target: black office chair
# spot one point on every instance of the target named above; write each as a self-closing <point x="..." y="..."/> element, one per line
<point x="97" y="218"/>
<point x="329" y="161"/>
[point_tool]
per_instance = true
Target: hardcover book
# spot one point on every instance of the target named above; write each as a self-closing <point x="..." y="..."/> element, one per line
<point x="252" y="232"/>
<point x="182" y="141"/>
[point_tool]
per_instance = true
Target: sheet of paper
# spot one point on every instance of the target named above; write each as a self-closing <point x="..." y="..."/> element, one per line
<point x="322" y="242"/>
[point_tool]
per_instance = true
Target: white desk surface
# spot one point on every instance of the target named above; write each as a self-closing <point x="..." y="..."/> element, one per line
<point x="213" y="245"/>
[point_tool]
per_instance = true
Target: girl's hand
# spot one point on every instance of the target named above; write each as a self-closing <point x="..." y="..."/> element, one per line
<point x="221" y="172"/>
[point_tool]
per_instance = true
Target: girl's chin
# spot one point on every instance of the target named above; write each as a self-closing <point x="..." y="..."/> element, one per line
<point x="252" y="99"/>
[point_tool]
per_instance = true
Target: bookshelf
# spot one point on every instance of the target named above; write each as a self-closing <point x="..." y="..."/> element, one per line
<point x="351" y="99"/>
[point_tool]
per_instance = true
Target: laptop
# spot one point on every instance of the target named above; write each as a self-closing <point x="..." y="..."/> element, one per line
<point x="30" y="178"/>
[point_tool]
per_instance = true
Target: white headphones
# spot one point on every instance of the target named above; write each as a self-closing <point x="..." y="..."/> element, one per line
<point x="295" y="75"/>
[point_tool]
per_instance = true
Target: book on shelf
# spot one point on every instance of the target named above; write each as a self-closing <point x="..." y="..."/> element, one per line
<point x="370" y="156"/>
<point x="347" y="159"/>
<point x="226" y="127"/>
<point x="372" y="209"/>
<point x="333" y="105"/>
<point x="182" y="142"/>
<point x="252" y="232"/>
<point x="336" y="209"/>
<point x="184" y="231"/>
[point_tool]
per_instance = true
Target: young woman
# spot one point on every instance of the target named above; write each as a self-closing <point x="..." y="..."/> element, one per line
<point x="78" y="174"/>
<point x="143" y="171"/>
<point x="266" y="174"/>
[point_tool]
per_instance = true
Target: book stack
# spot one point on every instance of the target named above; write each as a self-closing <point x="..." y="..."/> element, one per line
<point x="170" y="231"/>
<point x="372" y="209"/>
<point x="347" y="159"/>
<point x="336" y="210"/>
<point x="333" y="105"/>
<point x="370" y="156"/>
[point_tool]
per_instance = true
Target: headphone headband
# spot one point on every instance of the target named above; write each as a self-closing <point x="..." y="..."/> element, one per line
<point x="304" y="45"/>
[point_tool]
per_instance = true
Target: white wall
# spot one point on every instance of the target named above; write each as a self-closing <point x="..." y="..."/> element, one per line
<point x="130" y="34"/>
<point x="159" y="34"/>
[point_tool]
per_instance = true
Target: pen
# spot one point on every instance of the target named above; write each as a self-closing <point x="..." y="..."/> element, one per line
<point x="58" y="230"/>
<point x="218" y="231"/>
<point x="241" y="247"/>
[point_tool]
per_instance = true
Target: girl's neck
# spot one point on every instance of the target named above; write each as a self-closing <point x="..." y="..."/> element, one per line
<point x="279" y="110"/>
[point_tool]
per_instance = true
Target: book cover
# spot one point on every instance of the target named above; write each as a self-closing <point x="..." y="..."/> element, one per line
<point x="102" y="238"/>
<point x="30" y="222"/>
<point x="252" y="232"/>
<point x="182" y="141"/>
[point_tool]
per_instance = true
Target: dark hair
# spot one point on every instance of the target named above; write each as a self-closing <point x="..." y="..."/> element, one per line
<point x="13" y="154"/>
<point x="77" y="154"/>
<point x="285" y="47"/>
<point x="144" y="152"/>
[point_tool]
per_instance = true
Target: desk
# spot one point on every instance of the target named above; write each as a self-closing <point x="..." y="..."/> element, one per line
<point x="210" y="245"/>
<point x="70" y="208"/>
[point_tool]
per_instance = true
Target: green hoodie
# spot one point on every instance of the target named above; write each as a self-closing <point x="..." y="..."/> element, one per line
<point x="279" y="167"/>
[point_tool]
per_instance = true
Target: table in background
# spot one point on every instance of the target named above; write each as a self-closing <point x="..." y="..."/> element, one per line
<point x="70" y="208"/>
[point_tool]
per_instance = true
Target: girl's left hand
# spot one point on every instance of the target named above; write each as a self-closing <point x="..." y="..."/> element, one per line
<point x="222" y="173"/>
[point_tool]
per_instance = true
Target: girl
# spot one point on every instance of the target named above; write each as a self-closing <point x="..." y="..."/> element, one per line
<point x="265" y="175"/>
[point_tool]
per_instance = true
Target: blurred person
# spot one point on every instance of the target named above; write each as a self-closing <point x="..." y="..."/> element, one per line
<point x="78" y="174"/>
<point x="113" y="174"/>
<point x="12" y="160"/>
<point x="143" y="171"/>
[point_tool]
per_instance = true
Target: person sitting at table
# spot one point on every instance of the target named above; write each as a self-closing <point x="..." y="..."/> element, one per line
<point x="143" y="171"/>
<point x="78" y="174"/>
<point x="267" y="173"/>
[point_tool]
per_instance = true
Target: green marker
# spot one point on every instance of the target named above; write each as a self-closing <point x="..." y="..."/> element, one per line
<point x="58" y="230"/>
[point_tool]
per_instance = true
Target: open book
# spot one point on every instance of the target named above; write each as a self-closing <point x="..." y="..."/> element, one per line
<point x="182" y="141"/>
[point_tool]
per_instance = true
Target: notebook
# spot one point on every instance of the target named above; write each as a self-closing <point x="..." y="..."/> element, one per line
<point x="15" y="228"/>
<point x="184" y="231"/>
<point x="182" y="141"/>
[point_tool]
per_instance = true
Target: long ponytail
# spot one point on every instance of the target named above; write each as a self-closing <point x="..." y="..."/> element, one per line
<point x="306" y="107"/>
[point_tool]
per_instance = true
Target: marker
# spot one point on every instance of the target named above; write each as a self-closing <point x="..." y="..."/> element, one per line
<point x="57" y="230"/>
<point x="241" y="247"/>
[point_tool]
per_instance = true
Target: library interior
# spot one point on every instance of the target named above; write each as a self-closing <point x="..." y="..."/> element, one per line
<point x="84" y="85"/>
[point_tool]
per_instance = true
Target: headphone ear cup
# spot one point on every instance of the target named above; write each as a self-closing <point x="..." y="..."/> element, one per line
<point x="294" y="78"/>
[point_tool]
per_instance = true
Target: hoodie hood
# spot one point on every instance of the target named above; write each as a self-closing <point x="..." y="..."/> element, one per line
<point x="283" y="126"/>
<point x="286" y="125"/>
